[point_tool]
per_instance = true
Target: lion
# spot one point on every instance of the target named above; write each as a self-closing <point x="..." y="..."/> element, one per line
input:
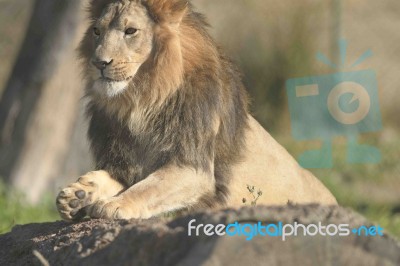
<point x="169" y="124"/>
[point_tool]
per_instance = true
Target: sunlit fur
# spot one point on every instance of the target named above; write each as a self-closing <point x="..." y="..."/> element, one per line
<point x="169" y="119"/>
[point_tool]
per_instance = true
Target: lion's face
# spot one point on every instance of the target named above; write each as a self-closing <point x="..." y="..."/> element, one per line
<point x="122" y="42"/>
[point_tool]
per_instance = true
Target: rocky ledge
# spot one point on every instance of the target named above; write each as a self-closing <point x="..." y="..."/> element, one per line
<point x="165" y="241"/>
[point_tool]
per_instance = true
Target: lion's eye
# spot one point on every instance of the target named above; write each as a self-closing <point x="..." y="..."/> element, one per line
<point x="130" y="31"/>
<point x="96" y="31"/>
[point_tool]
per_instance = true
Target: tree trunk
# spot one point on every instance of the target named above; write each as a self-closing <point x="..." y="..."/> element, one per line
<point x="40" y="104"/>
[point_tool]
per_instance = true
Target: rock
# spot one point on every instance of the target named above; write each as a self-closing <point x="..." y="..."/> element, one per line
<point x="165" y="241"/>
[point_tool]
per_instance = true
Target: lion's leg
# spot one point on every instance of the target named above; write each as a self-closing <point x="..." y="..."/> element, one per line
<point x="89" y="188"/>
<point x="168" y="189"/>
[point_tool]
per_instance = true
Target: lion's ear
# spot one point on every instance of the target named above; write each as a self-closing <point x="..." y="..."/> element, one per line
<point x="170" y="11"/>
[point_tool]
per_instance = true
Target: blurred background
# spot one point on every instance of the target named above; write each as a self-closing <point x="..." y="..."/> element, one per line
<point x="42" y="128"/>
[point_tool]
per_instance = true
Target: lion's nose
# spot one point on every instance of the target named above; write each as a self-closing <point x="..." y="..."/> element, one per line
<point x="101" y="65"/>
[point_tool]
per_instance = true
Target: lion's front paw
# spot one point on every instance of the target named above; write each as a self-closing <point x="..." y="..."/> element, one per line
<point x="114" y="208"/>
<point x="72" y="200"/>
<point x="106" y="209"/>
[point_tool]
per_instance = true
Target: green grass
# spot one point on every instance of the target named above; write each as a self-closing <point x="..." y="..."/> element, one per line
<point x="15" y="210"/>
<point x="377" y="211"/>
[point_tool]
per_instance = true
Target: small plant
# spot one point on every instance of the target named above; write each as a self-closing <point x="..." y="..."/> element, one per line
<point x="255" y="195"/>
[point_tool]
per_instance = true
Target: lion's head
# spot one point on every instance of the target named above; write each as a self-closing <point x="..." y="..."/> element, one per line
<point x="133" y="42"/>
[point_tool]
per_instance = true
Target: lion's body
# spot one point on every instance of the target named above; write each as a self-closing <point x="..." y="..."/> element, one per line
<point x="169" y="120"/>
<point x="269" y="167"/>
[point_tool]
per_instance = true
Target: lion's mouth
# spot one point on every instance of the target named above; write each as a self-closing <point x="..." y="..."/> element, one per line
<point x="110" y="80"/>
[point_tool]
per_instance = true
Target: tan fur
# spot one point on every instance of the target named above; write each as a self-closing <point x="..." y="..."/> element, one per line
<point x="157" y="194"/>
<point x="270" y="168"/>
<point x="170" y="48"/>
